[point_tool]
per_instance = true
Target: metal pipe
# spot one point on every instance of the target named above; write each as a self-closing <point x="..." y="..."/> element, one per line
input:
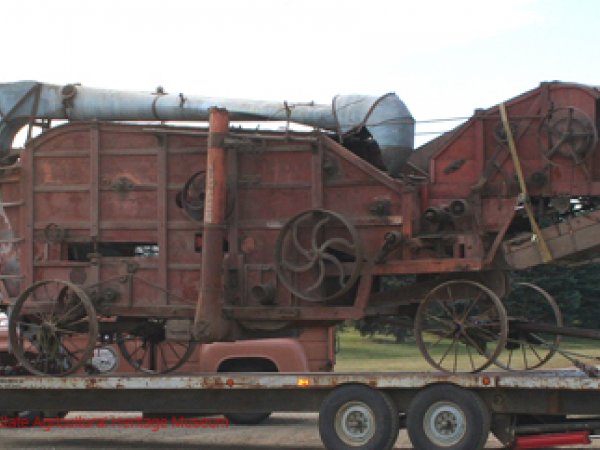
<point x="386" y="118"/>
<point x="560" y="427"/>
<point x="531" y="327"/>
<point x="209" y="323"/>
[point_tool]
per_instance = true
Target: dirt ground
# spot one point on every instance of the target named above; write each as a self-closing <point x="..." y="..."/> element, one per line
<point x="282" y="431"/>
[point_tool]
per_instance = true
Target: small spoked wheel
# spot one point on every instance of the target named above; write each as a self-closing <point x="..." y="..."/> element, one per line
<point x="447" y="417"/>
<point x="191" y="198"/>
<point x="318" y="256"/>
<point x="358" y="417"/>
<point x="526" y="350"/>
<point x="461" y="326"/>
<point x="146" y="349"/>
<point x="53" y="328"/>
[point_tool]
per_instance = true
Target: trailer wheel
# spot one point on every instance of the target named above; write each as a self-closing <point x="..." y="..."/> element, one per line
<point x="358" y="417"/>
<point x="248" y="366"/>
<point x="447" y="417"/>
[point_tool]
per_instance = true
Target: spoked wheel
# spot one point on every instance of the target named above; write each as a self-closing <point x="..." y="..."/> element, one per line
<point x="525" y="350"/>
<point x="147" y="349"/>
<point x="318" y="256"/>
<point x="461" y="326"/>
<point x="567" y="136"/>
<point x="53" y="328"/>
<point x="191" y="197"/>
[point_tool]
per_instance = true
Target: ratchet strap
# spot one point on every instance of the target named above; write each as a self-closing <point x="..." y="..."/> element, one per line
<point x="523" y="196"/>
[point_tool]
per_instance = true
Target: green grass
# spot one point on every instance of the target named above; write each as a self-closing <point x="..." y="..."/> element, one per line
<point x="381" y="353"/>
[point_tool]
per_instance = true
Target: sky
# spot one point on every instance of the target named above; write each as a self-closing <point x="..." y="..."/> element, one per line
<point x="443" y="58"/>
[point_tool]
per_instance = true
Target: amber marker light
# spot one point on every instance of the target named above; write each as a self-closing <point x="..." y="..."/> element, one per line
<point x="303" y="382"/>
<point x="486" y="380"/>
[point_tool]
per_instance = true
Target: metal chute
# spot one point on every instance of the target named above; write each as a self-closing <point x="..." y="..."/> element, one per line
<point x="386" y="118"/>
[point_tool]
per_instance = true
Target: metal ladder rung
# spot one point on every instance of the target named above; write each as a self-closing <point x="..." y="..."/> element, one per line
<point x="11" y="241"/>
<point x="10" y="204"/>
<point x="11" y="277"/>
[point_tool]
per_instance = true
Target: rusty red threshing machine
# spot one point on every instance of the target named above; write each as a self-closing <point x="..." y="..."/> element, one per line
<point x="117" y="225"/>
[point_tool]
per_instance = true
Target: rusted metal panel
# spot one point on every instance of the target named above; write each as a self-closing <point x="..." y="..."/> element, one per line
<point x="208" y="322"/>
<point x="542" y="381"/>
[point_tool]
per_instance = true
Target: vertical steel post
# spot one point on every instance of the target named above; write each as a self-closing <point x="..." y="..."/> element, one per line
<point x="209" y="322"/>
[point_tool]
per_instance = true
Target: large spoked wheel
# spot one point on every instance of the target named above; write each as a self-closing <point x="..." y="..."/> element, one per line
<point x="525" y="350"/>
<point x="447" y="417"/>
<point x="356" y="416"/>
<point x="53" y="328"/>
<point x="567" y="136"/>
<point x="461" y="326"/>
<point x="147" y="349"/>
<point x="318" y="256"/>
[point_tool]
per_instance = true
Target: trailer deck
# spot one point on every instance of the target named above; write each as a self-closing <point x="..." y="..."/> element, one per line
<point x="503" y="396"/>
<point x="548" y="392"/>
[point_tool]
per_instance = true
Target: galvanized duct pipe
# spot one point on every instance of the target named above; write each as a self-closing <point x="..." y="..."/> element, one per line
<point x="386" y="118"/>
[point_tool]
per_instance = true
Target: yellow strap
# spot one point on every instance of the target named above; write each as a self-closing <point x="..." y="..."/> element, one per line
<point x="523" y="197"/>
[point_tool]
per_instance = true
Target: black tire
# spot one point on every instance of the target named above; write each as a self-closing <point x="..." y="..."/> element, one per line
<point x="449" y="418"/>
<point x="248" y="418"/>
<point x="29" y="418"/>
<point x="356" y="417"/>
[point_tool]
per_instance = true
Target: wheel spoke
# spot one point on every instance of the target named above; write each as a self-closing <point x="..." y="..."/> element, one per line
<point x="474" y="344"/>
<point x="440" y="319"/>
<point x="470" y="357"/>
<point x="68" y="313"/>
<point x="445" y="307"/>
<point x="299" y="269"/>
<point x="334" y="241"/>
<point x="441" y="336"/>
<point x="524" y="352"/>
<point x="138" y="347"/>
<point x="315" y="231"/>
<point x="339" y="266"/>
<point x="69" y="352"/>
<point x="534" y="351"/>
<point x="470" y="307"/>
<point x="320" y="278"/>
<point x="296" y="241"/>
<point x="455" y="358"/>
<point x="162" y="356"/>
<point x="452" y="344"/>
<point x="451" y="298"/>
<point x="59" y="300"/>
<point x="170" y="344"/>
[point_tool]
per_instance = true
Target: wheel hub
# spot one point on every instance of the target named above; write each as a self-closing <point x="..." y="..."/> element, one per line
<point x="354" y="423"/>
<point x="444" y="424"/>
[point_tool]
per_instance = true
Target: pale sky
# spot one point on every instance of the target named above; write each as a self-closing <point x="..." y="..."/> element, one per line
<point x="443" y="58"/>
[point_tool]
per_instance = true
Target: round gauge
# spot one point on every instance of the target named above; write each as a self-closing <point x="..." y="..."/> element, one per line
<point x="104" y="359"/>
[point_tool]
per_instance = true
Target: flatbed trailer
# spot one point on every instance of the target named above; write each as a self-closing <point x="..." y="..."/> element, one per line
<point x="356" y="410"/>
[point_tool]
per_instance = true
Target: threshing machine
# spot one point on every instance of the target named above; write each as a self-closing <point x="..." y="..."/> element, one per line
<point x="119" y="226"/>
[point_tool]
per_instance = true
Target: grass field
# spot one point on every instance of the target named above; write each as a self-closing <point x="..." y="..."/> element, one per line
<point x="381" y="353"/>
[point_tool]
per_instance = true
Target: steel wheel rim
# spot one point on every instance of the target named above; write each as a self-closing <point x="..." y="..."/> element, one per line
<point x="470" y="339"/>
<point x="445" y="423"/>
<point x="355" y="423"/>
<point x="52" y="328"/>
<point x="548" y="348"/>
